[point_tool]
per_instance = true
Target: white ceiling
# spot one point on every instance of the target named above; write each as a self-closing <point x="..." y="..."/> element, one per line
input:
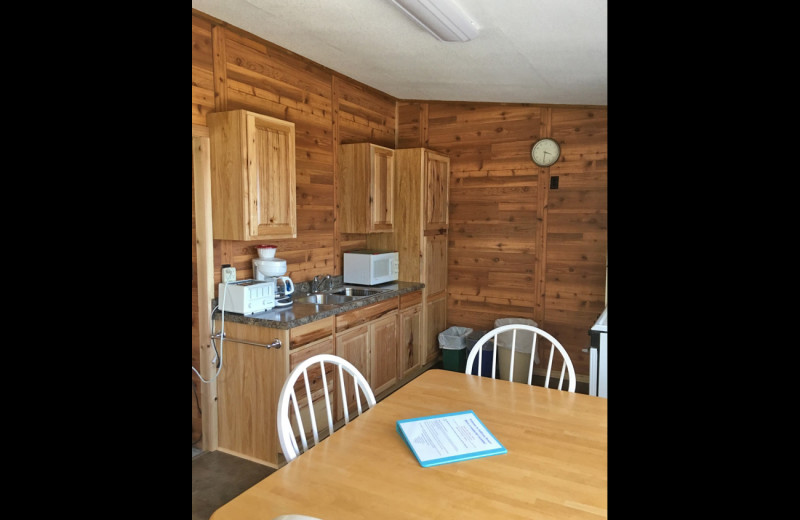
<point x="526" y="51"/>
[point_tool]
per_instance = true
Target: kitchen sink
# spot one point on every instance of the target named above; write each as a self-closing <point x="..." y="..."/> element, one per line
<point x="339" y="296"/>
<point x="358" y="292"/>
<point x="324" y="298"/>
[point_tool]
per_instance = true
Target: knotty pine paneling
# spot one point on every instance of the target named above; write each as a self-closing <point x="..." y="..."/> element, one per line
<point x="577" y="228"/>
<point x="264" y="78"/>
<point x="498" y="210"/>
<point x="254" y="74"/>
<point x="505" y="223"/>
<point x="202" y="72"/>
<point x="364" y="115"/>
<point x="412" y="120"/>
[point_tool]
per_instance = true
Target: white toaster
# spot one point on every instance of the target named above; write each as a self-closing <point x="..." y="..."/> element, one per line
<point x="247" y="296"/>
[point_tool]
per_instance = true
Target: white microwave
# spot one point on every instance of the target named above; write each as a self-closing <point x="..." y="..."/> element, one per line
<point x="371" y="266"/>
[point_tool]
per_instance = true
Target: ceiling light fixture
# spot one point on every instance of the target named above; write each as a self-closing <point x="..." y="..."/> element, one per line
<point x="444" y="19"/>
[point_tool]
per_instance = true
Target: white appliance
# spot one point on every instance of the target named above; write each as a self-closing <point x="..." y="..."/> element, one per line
<point x="598" y="356"/>
<point x="247" y="296"/>
<point x="371" y="266"/>
<point x="270" y="269"/>
<point x="264" y="269"/>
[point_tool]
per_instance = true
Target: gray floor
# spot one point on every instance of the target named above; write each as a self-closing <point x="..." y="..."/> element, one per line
<point x="217" y="478"/>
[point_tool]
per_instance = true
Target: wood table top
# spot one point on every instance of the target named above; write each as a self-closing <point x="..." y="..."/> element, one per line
<point x="556" y="465"/>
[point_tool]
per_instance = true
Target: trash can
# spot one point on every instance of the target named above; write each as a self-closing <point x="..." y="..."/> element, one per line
<point x="486" y="366"/>
<point x="453" y="344"/>
<point x="522" y="350"/>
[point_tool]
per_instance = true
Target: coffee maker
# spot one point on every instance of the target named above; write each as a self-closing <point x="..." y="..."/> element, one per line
<point x="272" y="270"/>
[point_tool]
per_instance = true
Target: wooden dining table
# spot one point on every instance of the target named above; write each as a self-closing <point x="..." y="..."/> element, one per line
<point x="556" y="464"/>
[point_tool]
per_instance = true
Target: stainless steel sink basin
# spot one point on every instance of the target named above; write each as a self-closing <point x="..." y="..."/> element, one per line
<point x="357" y="292"/>
<point x="324" y="298"/>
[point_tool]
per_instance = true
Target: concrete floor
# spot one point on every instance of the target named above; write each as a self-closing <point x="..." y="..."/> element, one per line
<point x="217" y="478"/>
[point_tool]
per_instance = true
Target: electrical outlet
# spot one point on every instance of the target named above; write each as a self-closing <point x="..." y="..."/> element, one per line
<point x="228" y="274"/>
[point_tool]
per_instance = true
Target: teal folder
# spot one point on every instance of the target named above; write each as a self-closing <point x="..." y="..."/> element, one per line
<point x="450" y="437"/>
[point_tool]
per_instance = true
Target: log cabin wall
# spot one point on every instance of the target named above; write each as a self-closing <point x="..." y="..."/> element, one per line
<point x="518" y="248"/>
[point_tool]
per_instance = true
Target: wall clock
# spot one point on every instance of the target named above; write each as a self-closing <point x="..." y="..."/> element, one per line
<point x="545" y="152"/>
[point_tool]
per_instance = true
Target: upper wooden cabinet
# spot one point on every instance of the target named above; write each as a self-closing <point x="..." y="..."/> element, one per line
<point x="421" y="211"/>
<point x="437" y="175"/>
<point x="252" y="176"/>
<point x="365" y="191"/>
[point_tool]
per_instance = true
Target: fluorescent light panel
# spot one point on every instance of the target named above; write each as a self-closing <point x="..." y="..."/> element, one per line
<point x="444" y="19"/>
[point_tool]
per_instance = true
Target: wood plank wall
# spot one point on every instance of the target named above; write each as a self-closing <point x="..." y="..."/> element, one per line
<point x="516" y="248"/>
<point x="232" y="69"/>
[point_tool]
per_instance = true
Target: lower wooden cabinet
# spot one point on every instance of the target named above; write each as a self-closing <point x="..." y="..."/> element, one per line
<point x="367" y="337"/>
<point x="435" y="322"/>
<point x="250" y="383"/>
<point x="316" y="384"/>
<point x="384" y="341"/>
<point x="383" y="353"/>
<point x="409" y="347"/>
<point x="352" y="345"/>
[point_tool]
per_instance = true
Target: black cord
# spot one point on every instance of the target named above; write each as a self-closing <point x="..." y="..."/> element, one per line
<point x="214" y="343"/>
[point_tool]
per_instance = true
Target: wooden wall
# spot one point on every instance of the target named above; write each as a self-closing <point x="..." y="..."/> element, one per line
<point x="232" y="70"/>
<point x="516" y="247"/>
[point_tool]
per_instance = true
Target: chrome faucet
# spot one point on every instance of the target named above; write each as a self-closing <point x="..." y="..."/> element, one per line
<point x="317" y="284"/>
<point x="326" y="279"/>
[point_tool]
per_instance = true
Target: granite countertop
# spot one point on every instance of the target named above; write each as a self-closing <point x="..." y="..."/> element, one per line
<point x="297" y="314"/>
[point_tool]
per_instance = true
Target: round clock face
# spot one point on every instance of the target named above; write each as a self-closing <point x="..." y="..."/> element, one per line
<point x="545" y="152"/>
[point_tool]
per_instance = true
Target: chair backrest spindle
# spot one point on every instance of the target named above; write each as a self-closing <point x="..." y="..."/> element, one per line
<point x="288" y="400"/>
<point x="567" y="369"/>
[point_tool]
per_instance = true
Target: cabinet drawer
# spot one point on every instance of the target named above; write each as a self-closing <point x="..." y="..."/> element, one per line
<point x="365" y="314"/>
<point x="410" y="299"/>
<point x="310" y="332"/>
<point x="315" y="376"/>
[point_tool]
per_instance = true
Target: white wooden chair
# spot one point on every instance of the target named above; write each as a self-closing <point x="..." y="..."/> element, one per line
<point x="345" y="371"/>
<point x="534" y="333"/>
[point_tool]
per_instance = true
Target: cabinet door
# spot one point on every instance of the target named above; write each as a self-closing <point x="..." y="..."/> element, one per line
<point x="435" y="264"/>
<point x="435" y="322"/>
<point x="352" y="345"/>
<point x="365" y="188"/>
<point x="382" y="189"/>
<point x="437" y="175"/>
<point x="252" y="176"/>
<point x="315" y="383"/>
<point x="271" y="177"/>
<point x="408" y="348"/>
<point x="383" y="353"/>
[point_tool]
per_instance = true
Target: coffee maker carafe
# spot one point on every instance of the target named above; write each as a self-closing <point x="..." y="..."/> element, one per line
<point x="270" y="269"/>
